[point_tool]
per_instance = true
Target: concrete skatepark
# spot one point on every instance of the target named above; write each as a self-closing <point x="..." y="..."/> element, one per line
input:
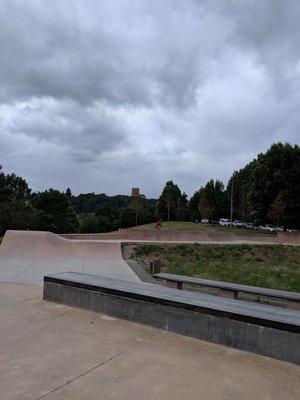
<point x="54" y="351"/>
<point x="25" y="257"/>
<point x="187" y="236"/>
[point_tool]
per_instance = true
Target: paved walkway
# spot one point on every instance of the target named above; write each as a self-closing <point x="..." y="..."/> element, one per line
<point x="33" y="271"/>
<point x="54" y="352"/>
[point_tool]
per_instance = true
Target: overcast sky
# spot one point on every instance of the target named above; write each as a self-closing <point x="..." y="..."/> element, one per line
<point x="100" y="96"/>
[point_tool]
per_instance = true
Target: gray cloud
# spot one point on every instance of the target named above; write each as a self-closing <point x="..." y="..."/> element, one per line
<point x="100" y="96"/>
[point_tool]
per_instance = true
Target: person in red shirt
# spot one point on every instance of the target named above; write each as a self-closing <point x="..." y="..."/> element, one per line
<point x="158" y="224"/>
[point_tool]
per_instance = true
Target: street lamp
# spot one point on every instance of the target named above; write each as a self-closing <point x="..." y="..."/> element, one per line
<point x="231" y="203"/>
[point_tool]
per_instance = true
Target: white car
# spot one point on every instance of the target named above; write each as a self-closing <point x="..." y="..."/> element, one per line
<point x="238" y="224"/>
<point x="267" y="228"/>
<point x="224" y="222"/>
<point x="204" y="221"/>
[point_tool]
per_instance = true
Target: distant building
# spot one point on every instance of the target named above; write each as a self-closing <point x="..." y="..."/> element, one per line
<point x="136" y="193"/>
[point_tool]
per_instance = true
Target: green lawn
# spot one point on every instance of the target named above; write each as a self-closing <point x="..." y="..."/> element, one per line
<point x="273" y="266"/>
<point x="192" y="226"/>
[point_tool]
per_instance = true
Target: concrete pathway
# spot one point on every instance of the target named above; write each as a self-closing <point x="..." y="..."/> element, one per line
<point x="33" y="271"/>
<point x="54" y="352"/>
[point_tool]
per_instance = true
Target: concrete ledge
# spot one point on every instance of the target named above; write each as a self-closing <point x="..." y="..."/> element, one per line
<point x="260" y="329"/>
<point x="231" y="289"/>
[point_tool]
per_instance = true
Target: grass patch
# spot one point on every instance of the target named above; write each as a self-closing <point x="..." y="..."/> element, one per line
<point x="271" y="266"/>
<point x="192" y="226"/>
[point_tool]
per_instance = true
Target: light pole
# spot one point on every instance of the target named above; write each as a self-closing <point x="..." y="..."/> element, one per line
<point x="243" y="209"/>
<point x="231" y="203"/>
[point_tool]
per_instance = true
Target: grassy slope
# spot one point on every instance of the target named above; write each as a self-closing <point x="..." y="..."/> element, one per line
<point x="191" y="226"/>
<point x="272" y="266"/>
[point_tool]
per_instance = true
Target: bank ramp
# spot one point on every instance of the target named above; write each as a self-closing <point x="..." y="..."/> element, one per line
<point x="26" y="256"/>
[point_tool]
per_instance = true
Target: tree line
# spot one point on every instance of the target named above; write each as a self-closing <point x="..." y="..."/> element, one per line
<point x="266" y="190"/>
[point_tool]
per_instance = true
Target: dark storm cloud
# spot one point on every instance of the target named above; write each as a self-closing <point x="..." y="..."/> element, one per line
<point x="83" y="132"/>
<point x="137" y="92"/>
<point x="145" y="56"/>
<point x="59" y="59"/>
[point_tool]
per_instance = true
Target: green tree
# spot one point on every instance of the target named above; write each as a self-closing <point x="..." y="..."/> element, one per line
<point x="15" y="209"/>
<point x="277" y="209"/>
<point x="89" y="224"/>
<point x="55" y="212"/>
<point x="136" y="205"/>
<point x="193" y="205"/>
<point x="127" y="218"/>
<point x="171" y="202"/>
<point x="146" y="216"/>
<point x="257" y="185"/>
<point x="212" y="200"/>
<point x="104" y="224"/>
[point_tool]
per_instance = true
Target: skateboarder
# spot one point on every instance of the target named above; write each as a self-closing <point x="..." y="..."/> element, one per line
<point x="158" y="224"/>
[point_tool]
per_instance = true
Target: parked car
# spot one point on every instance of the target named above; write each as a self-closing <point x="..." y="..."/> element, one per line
<point x="238" y="224"/>
<point x="249" y="225"/>
<point x="267" y="228"/>
<point x="204" y="221"/>
<point x="279" y="229"/>
<point x="224" y="222"/>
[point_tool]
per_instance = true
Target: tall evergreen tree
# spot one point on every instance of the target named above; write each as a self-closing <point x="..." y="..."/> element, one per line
<point x="171" y="202"/>
<point x="212" y="200"/>
<point x="259" y="183"/>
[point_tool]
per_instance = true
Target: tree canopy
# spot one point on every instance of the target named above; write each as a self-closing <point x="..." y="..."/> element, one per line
<point x="55" y="212"/>
<point x="15" y="211"/>
<point x="172" y="203"/>
<point x="212" y="200"/>
<point x="271" y="178"/>
<point x="266" y="190"/>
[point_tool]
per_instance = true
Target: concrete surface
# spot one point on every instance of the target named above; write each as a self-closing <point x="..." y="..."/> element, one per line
<point x="176" y="236"/>
<point x="289" y="238"/>
<point x="54" y="352"/>
<point x="50" y="351"/>
<point x="258" y="328"/>
<point x="27" y="256"/>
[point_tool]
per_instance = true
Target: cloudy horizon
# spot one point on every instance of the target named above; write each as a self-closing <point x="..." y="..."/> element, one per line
<point x="101" y="96"/>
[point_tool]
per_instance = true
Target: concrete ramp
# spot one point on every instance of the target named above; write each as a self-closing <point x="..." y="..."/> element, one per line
<point x="175" y="236"/>
<point x="47" y="245"/>
<point x="26" y="256"/>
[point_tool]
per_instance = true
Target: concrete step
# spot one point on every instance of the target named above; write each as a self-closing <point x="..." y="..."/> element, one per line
<point x="142" y="274"/>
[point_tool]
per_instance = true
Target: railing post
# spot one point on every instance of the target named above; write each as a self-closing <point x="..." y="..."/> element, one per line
<point x="295" y="305"/>
<point x="229" y="294"/>
<point x="154" y="266"/>
<point x="171" y="284"/>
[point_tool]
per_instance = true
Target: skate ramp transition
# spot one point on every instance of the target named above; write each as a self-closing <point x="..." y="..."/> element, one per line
<point x="175" y="236"/>
<point x="47" y="245"/>
<point x="26" y="256"/>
